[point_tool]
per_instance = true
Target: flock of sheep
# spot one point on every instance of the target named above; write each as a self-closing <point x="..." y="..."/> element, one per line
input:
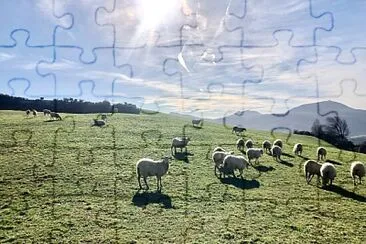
<point x="226" y="163"/>
<point x="53" y="115"/>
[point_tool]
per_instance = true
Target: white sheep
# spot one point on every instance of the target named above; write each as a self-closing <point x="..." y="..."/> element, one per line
<point x="297" y="150"/>
<point x="322" y="153"/>
<point x="254" y="153"/>
<point x="103" y="117"/>
<point x="197" y="122"/>
<point x="34" y="112"/>
<point x="27" y="112"/>
<point x="46" y="112"/>
<point x="218" y="159"/>
<point x="232" y="162"/>
<point x="55" y="115"/>
<point x="219" y="149"/>
<point x="240" y="143"/>
<point x="357" y="169"/>
<point x="98" y="122"/>
<point x="147" y="167"/>
<point x="276" y="152"/>
<point x="278" y="142"/>
<point x="311" y="168"/>
<point x="266" y="146"/>
<point x="179" y="142"/>
<point x="249" y="144"/>
<point x="328" y="173"/>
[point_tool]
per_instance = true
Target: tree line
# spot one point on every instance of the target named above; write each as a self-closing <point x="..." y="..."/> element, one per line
<point x="65" y="105"/>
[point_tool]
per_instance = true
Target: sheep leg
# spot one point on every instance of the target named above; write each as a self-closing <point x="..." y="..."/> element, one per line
<point x="310" y="177"/>
<point x="147" y="186"/>
<point x="354" y="180"/>
<point x="241" y="173"/>
<point x="139" y="180"/>
<point x="360" y="179"/>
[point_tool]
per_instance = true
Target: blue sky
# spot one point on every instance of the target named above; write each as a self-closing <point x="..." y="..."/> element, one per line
<point x="209" y="57"/>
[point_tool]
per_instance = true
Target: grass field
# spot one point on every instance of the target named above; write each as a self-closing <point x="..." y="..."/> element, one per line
<point x="65" y="181"/>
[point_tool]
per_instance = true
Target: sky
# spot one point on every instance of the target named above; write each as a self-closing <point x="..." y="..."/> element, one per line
<point x="204" y="57"/>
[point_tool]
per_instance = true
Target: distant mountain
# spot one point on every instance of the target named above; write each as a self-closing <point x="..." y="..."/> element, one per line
<point x="300" y="118"/>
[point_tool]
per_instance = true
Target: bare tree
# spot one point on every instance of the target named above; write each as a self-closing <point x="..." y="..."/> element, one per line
<point x="337" y="127"/>
<point x="317" y="128"/>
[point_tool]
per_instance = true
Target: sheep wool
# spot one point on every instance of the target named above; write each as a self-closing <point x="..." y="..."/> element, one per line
<point x="357" y="169"/>
<point x="311" y="168"/>
<point x="147" y="167"/>
<point x="328" y="173"/>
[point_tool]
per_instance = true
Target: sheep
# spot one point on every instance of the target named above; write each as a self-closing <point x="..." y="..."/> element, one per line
<point x="197" y="122"/>
<point x="249" y="144"/>
<point x="147" y="167"/>
<point x="266" y="146"/>
<point x="219" y="149"/>
<point x="357" y="169"/>
<point x="34" y="112"/>
<point x="328" y="173"/>
<point x="240" y="144"/>
<point x="311" y="168"/>
<point x="27" y="112"/>
<point x="218" y="159"/>
<point x="278" y="142"/>
<point x="46" y="112"/>
<point x="322" y="153"/>
<point x="179" y="142"/>
<point x="276" y="152"/>
<point x="98" y="122"/>
<point x="254" y="153"/>
<point x="103" y="117"/>
<point x="55" y="115"/>
<point x="238" y="129"/>
<point x="297" y="149"/>
<point x="232" y="162"/>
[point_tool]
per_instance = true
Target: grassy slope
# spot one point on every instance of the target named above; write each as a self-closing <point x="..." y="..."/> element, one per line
<point x="72" y="186"/>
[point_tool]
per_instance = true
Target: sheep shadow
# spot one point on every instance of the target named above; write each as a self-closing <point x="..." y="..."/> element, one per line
<point x="50" y="120"/>
<point x="303" y="157"/>
<point x="143" y="199"/>
<point x="345" y="193"/>
<point x="182" y="156"/>
<point x="286" y="163"/>
<point x="240" y="183"/>
<point x="288" y="155"/>
<point x="263" y="168"/>
<point x="333" y="162"/>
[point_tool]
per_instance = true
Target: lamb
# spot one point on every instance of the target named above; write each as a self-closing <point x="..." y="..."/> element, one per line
<point x="98" y="122"/>
<point x="34" y="112"/>
<point x="240" y="144"/>
<point x="218" y="159"/>
<point x="46" y="112"/>
<point x="322" y="153"/>
<point x="276" y="152"/>
<point x="179" y="142"/>
<point x="147" y="167"/>
<point x="357" y="169"/>
<point x="266" y="146"/>
<point x="249" y="144"/>
<point x="238" y="129"/>
<point x="254" y="153"/>
<point x="278" y="142"/>
<point x="197" y="122"/>
<point x="311" y="168"/>
<point x="232" y="162"/>
<point x="328" y="173"/>
<point x="297" y="149"/>
<point x="55" y="115"/>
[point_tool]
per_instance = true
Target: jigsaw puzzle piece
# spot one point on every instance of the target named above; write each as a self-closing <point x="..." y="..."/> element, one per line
<point x="260" y="19"/>
<point x="36" y="18"/>
<point x="347" y="32"/>
<point x="19" y="63"/>
<point x="84" y="31"/>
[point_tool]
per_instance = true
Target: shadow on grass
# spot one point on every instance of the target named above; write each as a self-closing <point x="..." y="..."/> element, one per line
<point x="240" y="183"/>
<point x="50" y="120"/>
<point x="145" y="198"/>
<point x="182" y="156"/>
<point x="288" y="155"/>
<point x="284" y="162"/>
<point x="345" y="193"/>
<point x="333" y="162"/>
<point x="303" y="157"/>
<point x="263" y="168"/>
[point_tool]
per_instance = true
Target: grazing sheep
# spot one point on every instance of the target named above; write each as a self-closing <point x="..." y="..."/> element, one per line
<point x="218" y="159"/>
<point x="249" y="144"/>
<point x="276" y="152"/>
<point x="232" y="162"/>
<point x="238" y="129"/>
<point x="27" y="112"/>
<point x="254" y="153"/>
<point x="179" y="142"/>
<point x="34" y="112"/>
<point x="98" y="122"/>
<point x="219" y="149"/>
<point x="311" y="168"/>
<point x="328" y="173"/>
<point x="266" y="146"/>
<point x="46" y="112"/>
<point x="322" y="153"/>
<point x="147" y="167"/>
<point x="240" y="144"/>
<point x="297" y="149"/>
<point x="103" y="117"/>
<point x="197" y="122"/>
<point x="357" y="169"/>
<point x="278" y="142"/>
<point x="55" y="115"/>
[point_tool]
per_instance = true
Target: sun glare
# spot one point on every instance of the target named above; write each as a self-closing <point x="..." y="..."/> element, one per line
<point x="155" y="11"/>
